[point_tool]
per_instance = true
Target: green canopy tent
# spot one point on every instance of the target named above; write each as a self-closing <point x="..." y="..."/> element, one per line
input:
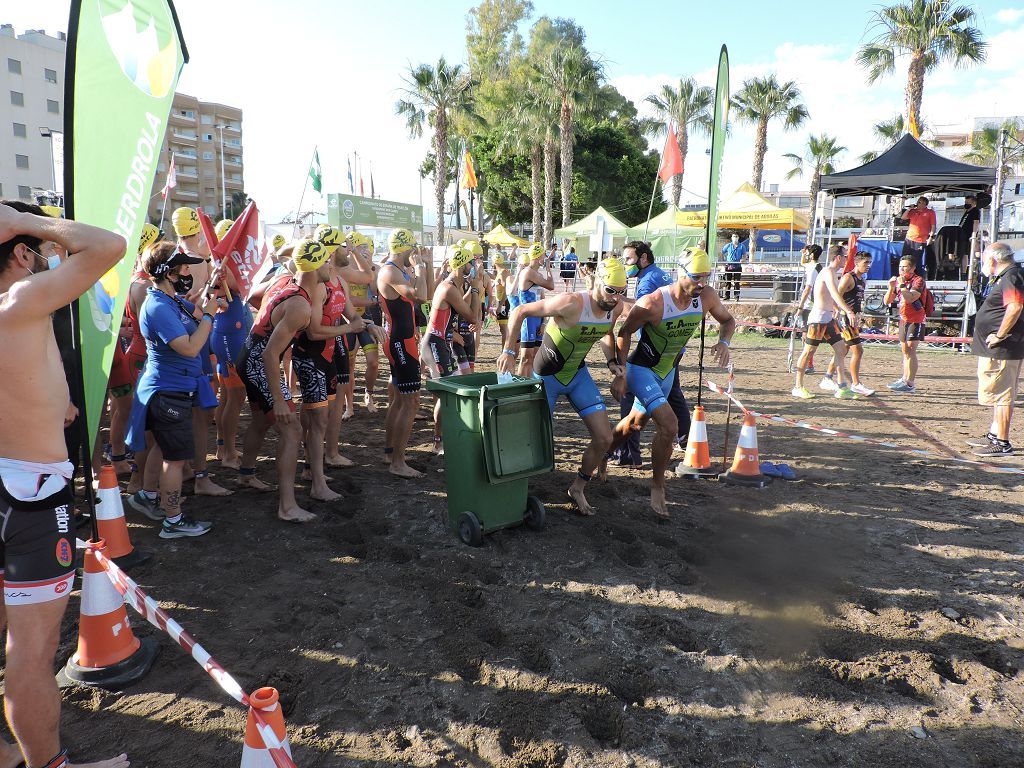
<point x="666" y="234"/>
<point x="587" y="226"/>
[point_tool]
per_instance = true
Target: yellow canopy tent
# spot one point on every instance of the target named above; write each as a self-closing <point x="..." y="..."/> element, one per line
<point x="747" y="208"/>
<point x="502" y="238"/>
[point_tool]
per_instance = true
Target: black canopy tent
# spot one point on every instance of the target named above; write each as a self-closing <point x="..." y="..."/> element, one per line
<point x="909" y="168"/>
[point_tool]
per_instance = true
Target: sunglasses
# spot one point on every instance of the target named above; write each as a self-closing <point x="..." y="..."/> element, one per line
<point x="614" y="292"/>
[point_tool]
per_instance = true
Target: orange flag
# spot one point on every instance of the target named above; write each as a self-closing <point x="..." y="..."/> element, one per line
<point x="468" y="173"/>
<point x="671" y="160"/>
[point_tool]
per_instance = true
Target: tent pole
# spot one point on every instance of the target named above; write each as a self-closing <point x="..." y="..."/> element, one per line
<point x="969" y="290"/>
<point x="831" y="222"/>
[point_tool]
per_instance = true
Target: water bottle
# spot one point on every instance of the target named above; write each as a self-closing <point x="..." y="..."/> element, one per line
<point x="505" y="378"/>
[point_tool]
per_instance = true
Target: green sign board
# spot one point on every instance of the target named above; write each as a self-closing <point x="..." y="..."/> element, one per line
<point x="355" y="211"/>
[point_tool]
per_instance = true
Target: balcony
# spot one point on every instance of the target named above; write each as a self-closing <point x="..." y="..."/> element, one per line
<point x="176" y="118"/>
<point x="187" y="193"/>
<point x="191" y="138"/>
<point x="191" y="173"/>
<point x="185" y="155"/>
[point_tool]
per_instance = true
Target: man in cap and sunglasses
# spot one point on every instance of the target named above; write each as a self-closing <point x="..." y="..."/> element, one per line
<point x="578" y="321"/>
<point x="667" y="319"/>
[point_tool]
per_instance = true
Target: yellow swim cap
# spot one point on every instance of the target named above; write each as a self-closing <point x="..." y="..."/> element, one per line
<point x="309" y="255"/>
<point x="148" y="237"/>
<point x="401" y="241"/>
<point x="613" y="273"/>
<point x="536" y="252"/>
<point x="222" y="228"/>
<point x="499" y="261"/>
<point x="460" y="257"/>
<point x="53" y="211"/>
<point x="185" y="221"/>
<point x="355" y="239"/>
<point x="695" y="260"/>
<point x="475" y="248"/>
<point x="329" y="237"/>
<point x="278" y="242"/>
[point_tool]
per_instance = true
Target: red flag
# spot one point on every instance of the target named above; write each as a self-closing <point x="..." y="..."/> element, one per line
<point x="207" y="226"/>
<point x="240" y="250"/>
<point x="172" y="178"/>
<point x="851" y="254"/>
<point x="671" y="160"/>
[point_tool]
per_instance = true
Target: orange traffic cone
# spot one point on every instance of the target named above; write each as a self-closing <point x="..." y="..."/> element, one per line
<point x="697" y="460"/>
<point x="255" y="753"/>
<point x="746" y="466"/>
<point x="109" y="655"/>
<point x="111" y="523"/>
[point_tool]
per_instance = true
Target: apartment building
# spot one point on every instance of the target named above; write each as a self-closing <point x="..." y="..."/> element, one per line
<point x="31" y="108"/>
<point x="206" y="141"/>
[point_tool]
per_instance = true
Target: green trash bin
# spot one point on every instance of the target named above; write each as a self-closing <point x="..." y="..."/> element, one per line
<point x="495" y="436"/>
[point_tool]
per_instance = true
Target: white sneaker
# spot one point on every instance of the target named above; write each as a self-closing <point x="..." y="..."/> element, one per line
<point x="828" y="384"/>
<point x="860" y="389"/>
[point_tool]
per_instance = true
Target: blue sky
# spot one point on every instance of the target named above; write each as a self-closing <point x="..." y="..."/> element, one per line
<point x="327" y="73"/>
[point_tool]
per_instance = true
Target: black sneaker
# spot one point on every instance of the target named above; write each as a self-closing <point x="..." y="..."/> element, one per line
<point x="981" y="442"/>
<point x="184" y="526"/>
<point x="147" y="506"/>
<point x="995" y="448"/>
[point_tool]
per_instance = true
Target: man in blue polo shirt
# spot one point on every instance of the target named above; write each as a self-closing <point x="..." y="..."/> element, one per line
<point x="733" y="253"/>
<point x="639" y="261"/>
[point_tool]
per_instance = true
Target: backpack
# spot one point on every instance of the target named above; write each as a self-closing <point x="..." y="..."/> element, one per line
<point x="929" y="302"/>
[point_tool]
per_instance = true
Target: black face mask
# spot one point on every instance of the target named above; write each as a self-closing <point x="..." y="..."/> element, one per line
<point x="181" y="283"/>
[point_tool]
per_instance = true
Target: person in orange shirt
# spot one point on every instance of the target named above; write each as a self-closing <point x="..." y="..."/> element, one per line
<point x="907" y="290"/>
<point x="919" y="233"/>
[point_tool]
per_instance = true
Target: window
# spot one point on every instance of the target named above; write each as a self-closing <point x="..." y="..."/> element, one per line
<point x="14" y="66"/>
<point x="207" y="137"/>
<point x="52" y="107"/>
<point x="849" y="202"/>
<point x="25" y="193"/>
<point x="190" y="114"/>
<point x="50" y="75"/>
<point x="206" y="119"/>
<point x="207" y="155"/>
<point x="209" y="192"/>
<point x="18" y="98"/>
<point x="21" y="161"/>
<point x="20" y="131"/>
<point x="793" y="201"/>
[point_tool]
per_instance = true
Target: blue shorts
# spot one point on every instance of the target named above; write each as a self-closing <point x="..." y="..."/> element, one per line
<point x="531" y="332"/>
<point x="650" y="391"/>
<point x="227" y="347"/>
<point x="581" y="391"/>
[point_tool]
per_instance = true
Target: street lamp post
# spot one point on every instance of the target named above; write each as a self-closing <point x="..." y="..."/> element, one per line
<point x="223" y="178"/>
<point x="56" y="147"/>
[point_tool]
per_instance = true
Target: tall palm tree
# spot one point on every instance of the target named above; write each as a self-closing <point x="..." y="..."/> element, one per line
<point x="761" y="100"/>
<point x="888" y="132"/>
<point x="688" y="106"/>
<point x="571" y="78"/>
<point x="440" y="96"/>
<point x="550" y="151"/>
<point x="524" y="130"/>
<point x="985" y="147"/>
<point x="929" y="32"/>
<point x="818" y="157"/>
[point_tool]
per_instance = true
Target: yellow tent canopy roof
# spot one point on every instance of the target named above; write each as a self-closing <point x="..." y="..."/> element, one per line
<point x="502" y="238"/>
<point x="747" y="208"/>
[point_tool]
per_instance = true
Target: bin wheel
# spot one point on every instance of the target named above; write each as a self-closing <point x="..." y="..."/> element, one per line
<point x="470" y="531"/>
<point x="534" y="517"/>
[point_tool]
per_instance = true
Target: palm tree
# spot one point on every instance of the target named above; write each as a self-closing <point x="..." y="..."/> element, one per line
<point x="761" y="100"/>
<point x="438" y="96"/>
<point x="687" y="106"/>
<point x="985" y="147"/>
<point x="819" y="156"/>
<point x="523" y="133"/>
<point x="888" y="132"/>
<point x="570" y="78"/>
<point x="549" y="152"/>
<point x="929" y="32"/>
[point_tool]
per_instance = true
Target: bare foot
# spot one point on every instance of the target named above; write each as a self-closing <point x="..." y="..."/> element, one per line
<point x="324" y="493"/>
<point x="295" y="514"/>
<point x="658" y="502"/>
<point x="307" y="474"/>
<point x="347" y="414"/>
<point x="121" y="761"/>
<point x="231" y="460"/>
<point x="338" y="461"/>
<point x="206" y="487"/>
<point x="602" y="470"/>
<point x="251" y="481"/>
<point x="576" y="494"/>
<point x="404" y="470"/>
<point x="368" y="402"/>
<point x="438" y="446"/>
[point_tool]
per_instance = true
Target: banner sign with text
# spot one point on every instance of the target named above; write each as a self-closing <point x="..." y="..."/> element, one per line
<point x="354" y="211"/>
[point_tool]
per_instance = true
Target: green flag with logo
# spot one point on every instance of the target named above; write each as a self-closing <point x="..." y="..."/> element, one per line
<point x="721" y="119"/>
<point x="123" y="62"/>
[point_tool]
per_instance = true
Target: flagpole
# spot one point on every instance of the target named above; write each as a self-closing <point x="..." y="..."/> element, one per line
<point x="302" y="197"/>
<point x="654" y="191"/>
<point x="163" y="210"/>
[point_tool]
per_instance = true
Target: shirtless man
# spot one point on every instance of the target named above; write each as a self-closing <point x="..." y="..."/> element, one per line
<point x="667" y="319"/>
<point x="399" y="293"/>
<point x="360" y="277"/>
<point x="822" y="326"/>
<point x="285" y="311"/>
<point x="578" y="321"/>
<point x="34" y="468"/>
<point x="528" y="280"/>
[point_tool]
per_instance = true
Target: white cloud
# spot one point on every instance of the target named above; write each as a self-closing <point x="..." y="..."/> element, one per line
<point x="1010" y="15"/>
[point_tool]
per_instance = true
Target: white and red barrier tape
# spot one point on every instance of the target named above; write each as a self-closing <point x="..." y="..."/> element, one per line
<point x="857" y="438"/>
<point x="155" y="615"/>
<point x="866" y="336"/>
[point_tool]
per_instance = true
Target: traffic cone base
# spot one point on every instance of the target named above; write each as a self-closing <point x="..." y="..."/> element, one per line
<point x="746" y="466"/>
<point x="110" y="522"/>
<point x="697" y="460"/>
<point x="116" y="677"/>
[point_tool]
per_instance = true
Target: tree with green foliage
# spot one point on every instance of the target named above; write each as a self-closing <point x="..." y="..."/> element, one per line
<point x="930" y="33"/>
<point x="437" y="96"/>
<point x="758" y="102"/>
<point x="985" y="147"/>
<point x="687" y="106"/>
<point x="819" y="157"/>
